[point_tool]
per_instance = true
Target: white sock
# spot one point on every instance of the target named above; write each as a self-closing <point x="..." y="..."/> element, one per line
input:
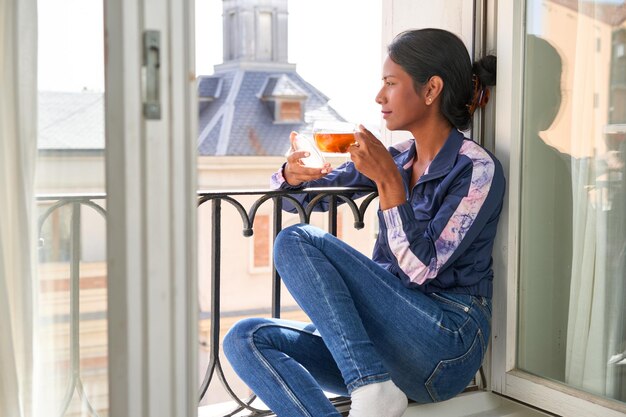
<point x="381" y="399"/>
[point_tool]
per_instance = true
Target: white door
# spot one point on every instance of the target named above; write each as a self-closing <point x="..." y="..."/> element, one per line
<point x="114" y="307"/>
<point x="559" y="322"/>
<point x="150" y="145"/>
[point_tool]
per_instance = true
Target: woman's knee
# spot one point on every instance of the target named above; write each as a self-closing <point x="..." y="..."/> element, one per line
<point x="288" y="238"/>
<point x="239" y="338"/>
<point x="289" y="233"/>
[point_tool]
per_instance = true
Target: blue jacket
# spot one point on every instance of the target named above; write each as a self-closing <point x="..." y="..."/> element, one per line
<point x="441" y="238"/>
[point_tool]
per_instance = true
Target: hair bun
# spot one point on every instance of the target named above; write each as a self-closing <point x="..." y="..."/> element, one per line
<point x="485" y="70"/>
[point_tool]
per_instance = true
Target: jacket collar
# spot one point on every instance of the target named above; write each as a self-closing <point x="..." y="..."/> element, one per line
<point x="444" y="160"/>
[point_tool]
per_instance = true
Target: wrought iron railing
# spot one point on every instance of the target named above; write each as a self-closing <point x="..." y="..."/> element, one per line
<point x="75" y="202"/>
<point x="330" y="197"/>
<point x="357" y="199"/>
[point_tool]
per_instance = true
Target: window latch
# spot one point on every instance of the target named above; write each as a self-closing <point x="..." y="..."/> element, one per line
<point x="151" y="74"/>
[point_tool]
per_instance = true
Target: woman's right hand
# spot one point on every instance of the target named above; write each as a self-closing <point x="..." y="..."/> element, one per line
<point x="295" y="173"/>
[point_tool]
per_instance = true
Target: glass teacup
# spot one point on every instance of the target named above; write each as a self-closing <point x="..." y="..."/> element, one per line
<point x="315" y="158"/>
<point x="333" y="137"/>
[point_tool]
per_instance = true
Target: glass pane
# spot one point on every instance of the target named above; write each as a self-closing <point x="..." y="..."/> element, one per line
<point x="573" y="210"/>
<point x="72" y="276"/>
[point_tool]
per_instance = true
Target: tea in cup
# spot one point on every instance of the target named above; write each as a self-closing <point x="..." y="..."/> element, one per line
<point x="333" y="137"/>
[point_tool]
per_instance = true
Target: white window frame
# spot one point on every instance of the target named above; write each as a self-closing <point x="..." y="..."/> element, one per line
<point x="151" y="201"/>
<point x="505" y="377"/>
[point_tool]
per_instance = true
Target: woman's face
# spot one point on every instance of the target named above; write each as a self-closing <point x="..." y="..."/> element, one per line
<point x="402" y="107"/>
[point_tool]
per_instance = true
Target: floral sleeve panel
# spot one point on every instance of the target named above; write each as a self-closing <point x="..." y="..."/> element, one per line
<point x="458" y="224"/>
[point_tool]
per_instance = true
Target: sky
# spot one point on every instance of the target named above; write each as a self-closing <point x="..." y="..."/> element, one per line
<point x="337" y="52"/>
<point x="70" y="45"/>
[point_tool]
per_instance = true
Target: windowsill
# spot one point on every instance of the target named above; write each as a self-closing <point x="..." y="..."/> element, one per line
<point x="477" y="403"/>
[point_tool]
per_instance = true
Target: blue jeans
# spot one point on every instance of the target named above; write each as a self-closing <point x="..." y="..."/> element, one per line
<point x="367" y="327"/>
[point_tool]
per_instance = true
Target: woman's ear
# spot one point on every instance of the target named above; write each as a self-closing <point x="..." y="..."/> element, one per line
<point x="433" y="88"/>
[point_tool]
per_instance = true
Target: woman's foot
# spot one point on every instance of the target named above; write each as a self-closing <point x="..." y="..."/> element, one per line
<point x="381" y="399"/>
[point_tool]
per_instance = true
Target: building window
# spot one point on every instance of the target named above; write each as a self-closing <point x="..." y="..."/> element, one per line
<point x="290" y="111"/>
<point x="264" y="36"/>
<point x="261" y="252"/>
<point x="232" y="36"/>
<point x="284" y="99"/>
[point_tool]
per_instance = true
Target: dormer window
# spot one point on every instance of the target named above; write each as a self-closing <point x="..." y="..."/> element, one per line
<point x="284" y="99"/>
<point x="290" y="110"/>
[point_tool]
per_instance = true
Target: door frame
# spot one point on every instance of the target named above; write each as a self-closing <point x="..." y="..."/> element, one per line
<point x="506" y="378"/>
<point x="151" y="227"/>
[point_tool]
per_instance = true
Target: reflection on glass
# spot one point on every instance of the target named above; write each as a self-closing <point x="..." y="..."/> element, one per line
<point x="573" y="210"/>
<point x="71" y="350"/>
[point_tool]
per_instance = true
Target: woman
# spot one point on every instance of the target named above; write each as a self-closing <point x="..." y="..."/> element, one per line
<point x="413" y="321"/>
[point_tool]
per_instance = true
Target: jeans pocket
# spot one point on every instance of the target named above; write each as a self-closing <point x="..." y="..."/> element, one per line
<point x="461" y="302"/>
<point x="484" y="304"/>
<point x="451" y="376"/>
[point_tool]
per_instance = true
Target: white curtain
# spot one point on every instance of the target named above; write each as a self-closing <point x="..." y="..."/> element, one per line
<point x="18" y="129"/>
<point x="595" y="335"/>
<point x="595" y="348"/>
<point x="587" y="322"/>
<point x="595" y="342"/>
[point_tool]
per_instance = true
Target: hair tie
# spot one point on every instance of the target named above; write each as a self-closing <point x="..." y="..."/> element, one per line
<point x="480" y="96"/>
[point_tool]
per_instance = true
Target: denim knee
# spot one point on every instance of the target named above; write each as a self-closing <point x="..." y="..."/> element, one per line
<point x="287" y="238"/>
<point x="237" y="341"/>
<point x="295" y="231"/>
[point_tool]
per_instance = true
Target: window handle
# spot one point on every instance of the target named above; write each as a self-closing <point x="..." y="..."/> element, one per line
<point x="151" y="74"/>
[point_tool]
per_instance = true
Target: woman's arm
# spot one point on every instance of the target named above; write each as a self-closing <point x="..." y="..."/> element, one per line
<point x="293" y="176"/>
<point x="423" y="247"/>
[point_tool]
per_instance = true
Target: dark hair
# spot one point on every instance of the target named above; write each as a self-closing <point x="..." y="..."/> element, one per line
<point x="425" y="53"/>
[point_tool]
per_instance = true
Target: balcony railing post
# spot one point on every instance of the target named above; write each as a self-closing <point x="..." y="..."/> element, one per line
<point x="216" y="250"/>
<point x="278" y="225"/>
<point x="75" y="383"/>
<point x="74" y="290"/>
<point x="74" y="306"/>
<point x="332" y="215"/>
